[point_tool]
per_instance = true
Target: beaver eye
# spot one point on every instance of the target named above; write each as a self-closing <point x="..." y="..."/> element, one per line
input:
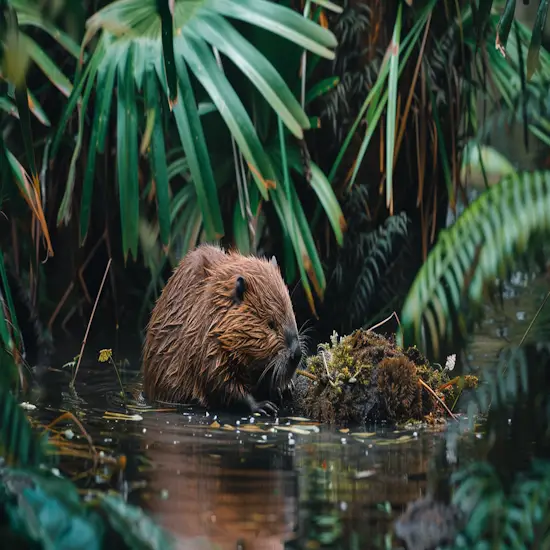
<point x="272" y="325"/>
<point x="240" y="287"/>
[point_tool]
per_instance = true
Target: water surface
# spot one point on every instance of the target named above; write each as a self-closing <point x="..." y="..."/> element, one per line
<point x="229" y="482"/>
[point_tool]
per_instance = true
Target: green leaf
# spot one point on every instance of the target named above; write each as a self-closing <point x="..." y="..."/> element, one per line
<point x="167" y="26"/>
<point x="64" y="212"/>
<point x="158" y="156"/>
<point x="282" y="21"/>
<point x="506" y="221"/>
<point x="29" y="14"/>
<point x="322" y="188"/>
<point x="204" y="67"/>
<point x="331" y="6"/>
<point x="321" y="87"/>
<point x="37" y="110"/>
<point x="194" y="143"/>
<point x="392" y="105"/>
<point x="48" y="67"/>
<point x="107" y="71"/>
<point x="533" y="62"/>
<point x="49" y="513"/>
<point x="222" y="35"/>
<point x="137" y="530"/>
<point x="19" y="445"/>
<point x="74" y="98"/>
<point x="104" y="86"/>
<point x="127" y="156"/>
<point x="8" y="107"/>
<point x="11" y="308"/>
<point x="504" y="25"/>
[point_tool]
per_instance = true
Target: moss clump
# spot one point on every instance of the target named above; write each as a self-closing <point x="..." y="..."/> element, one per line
<point x="365" y="377"/>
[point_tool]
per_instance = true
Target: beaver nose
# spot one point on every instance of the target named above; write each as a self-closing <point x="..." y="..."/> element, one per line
<point x="293" y="343"/>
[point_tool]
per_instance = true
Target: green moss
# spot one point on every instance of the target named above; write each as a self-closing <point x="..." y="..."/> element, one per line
<point x="365" y="377"/>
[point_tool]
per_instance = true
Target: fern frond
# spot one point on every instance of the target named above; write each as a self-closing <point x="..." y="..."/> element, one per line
<point x="361" y="265"/>
<point x="483" y="244"/>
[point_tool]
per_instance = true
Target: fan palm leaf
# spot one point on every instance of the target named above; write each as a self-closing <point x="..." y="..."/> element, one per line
<point x="134" y="51"/>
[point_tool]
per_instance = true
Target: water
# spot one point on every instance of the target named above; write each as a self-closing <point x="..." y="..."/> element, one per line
<point x="229" y="482"/>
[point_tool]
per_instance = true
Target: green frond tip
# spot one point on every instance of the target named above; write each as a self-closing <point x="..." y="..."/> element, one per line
<point x="504" y="222"/>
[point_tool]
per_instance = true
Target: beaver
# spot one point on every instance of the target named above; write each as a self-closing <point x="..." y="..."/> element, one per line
<point x="223" y="332"/>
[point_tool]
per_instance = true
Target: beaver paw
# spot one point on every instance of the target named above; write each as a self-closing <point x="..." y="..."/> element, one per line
<point x="261" y="407"/>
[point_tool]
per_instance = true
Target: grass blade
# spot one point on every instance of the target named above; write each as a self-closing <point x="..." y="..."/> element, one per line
<point x="105" y="85"/>
<point x="36" y="109"/>
<point x="165" y="9"/>
<point x="392" y="107"/>
<point x="194" y="143"/>
<point x="127" y="150"/>
<point x="48" y="67"/>
<point x="74" y="98"/>
<point x="533" y="61"/>
<point x="504" y="26"/>
<point x="322" y="87"/>
<point x="157" y="156"/>
<point x="217" y="31"/>
<point x="282" y="21"/>
<point x="202" y="63"/>
<point x="5" y="333"/>
<point x="64" y="212"/>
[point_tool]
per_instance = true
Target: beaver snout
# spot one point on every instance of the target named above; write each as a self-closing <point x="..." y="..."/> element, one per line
<point x="293" y="343"/>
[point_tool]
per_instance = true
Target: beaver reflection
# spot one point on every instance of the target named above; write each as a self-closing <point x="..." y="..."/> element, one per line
<point x="222" y="495"/>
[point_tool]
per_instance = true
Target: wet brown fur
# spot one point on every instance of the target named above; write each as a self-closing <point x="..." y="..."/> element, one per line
<point x="203" y="345"/>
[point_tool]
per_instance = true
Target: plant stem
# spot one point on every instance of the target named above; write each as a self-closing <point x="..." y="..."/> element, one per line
<point x="71" y="385"/>
<point x="122" y="393"/>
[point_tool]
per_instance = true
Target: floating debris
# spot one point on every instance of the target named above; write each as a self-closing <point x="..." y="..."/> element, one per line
<point x="121" y="416"/>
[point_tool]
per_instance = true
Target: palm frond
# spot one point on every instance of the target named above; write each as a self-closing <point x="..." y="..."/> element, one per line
<point x="131" y="32"/>
<point x="484" y="243"/>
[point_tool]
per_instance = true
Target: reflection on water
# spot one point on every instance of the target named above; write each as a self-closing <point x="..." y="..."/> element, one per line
<point x="225" y="482"/>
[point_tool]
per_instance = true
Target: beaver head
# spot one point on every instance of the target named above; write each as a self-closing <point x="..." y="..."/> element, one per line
<point x="254" y="323"/>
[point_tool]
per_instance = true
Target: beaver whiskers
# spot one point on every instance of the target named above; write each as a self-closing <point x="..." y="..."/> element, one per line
<point x="281" y="367"/>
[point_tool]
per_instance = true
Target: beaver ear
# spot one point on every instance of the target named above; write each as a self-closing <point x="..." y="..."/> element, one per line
<point x="240" y="287"/>
<point x="273" y="261"/>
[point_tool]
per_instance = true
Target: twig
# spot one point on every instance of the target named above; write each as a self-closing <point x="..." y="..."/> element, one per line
<point x="394" y="314"/>
<point x="71" y="416"/>
<point x="534" y="318"/>
<point x="90" y="322"/>
<point x="60" y="305"/>
<point x="422" y="383"/>
<point x="326" y="368"/>
<point x="306" y="374"/>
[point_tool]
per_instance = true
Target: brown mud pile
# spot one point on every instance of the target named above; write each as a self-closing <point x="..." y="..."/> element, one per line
<point x="364" y="377"/>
